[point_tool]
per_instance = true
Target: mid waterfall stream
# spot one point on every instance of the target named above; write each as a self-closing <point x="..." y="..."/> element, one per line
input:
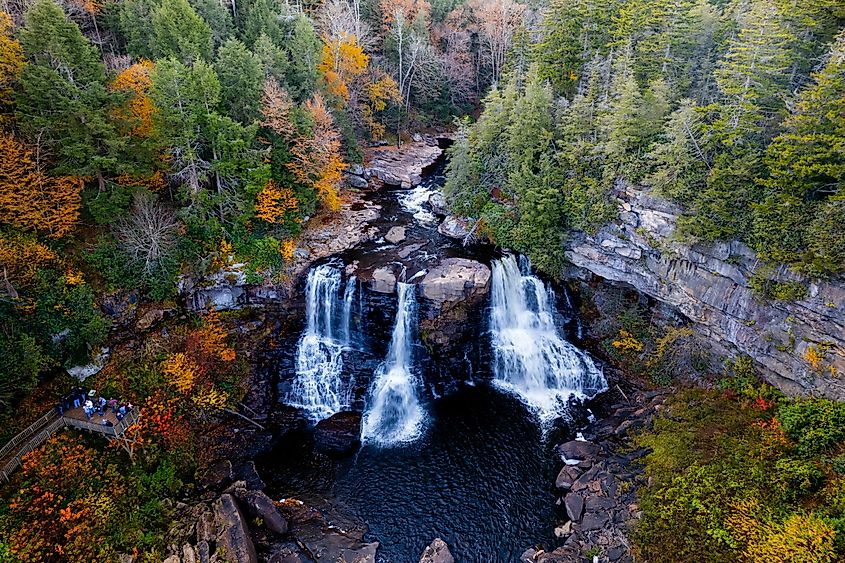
<point x="394" y="414"/>
<point x="459" y="449"/>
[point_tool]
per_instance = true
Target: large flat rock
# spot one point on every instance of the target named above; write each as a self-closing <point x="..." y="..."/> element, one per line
<point x="455" y="279"/>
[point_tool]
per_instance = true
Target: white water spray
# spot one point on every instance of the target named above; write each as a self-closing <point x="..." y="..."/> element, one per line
<point x="531" y="358"/>
<point x="319" y="388"/>
<point x="394" y="414"/>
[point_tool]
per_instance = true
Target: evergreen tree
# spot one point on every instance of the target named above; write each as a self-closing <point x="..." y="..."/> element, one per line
<point x="303" y="48"/>
<point x="807" y="169"/>
<point x="178" y="31"/>
<point x="241" y="77"/>
<point x="136" y="26"/>
<point x="274" y="60"/>
<point x="63" y="101"/>
<point x="218" y="18"/>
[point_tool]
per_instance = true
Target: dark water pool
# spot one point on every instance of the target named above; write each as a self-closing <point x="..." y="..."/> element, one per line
<point x="481" y="478"/>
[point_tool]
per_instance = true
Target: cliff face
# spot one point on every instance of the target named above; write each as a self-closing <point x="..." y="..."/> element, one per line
<point x="798" y="345"/>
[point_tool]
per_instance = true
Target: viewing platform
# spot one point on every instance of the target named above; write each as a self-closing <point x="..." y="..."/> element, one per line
<point x="11" y="454"/>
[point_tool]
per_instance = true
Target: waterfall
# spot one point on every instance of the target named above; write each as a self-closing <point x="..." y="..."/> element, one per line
<point x="318" y="387"/>
<point x="393" y="412"/>
<point x="531" y="358"/>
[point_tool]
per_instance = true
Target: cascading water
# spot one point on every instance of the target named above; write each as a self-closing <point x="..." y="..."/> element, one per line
<point x="319" y="388"/>
<point x="394" y="413"/>
<point x="531" y="357"/>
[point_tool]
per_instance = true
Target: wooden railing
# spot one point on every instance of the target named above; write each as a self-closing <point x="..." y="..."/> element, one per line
<point x="38" y="432"/>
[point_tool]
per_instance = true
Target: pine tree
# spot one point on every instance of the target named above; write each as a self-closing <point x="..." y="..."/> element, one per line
<point x="807" y="170"/>
<point x="241" y="77"/>
<point x="178" y="31"/>
<point x="274" y="60"/>
<point x="63" y="99"/>
<point x="218" y="18"/>
<point x="135" y="23"/>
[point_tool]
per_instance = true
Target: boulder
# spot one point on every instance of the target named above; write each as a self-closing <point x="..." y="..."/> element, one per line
<point x="594" y="521"/>
<point x="437" y="552"/>
<point x="357" y="181"/>
<point x="438" y="204"/>
<point x="395" y="235"/>
<point x="247" y="473"/>
<point x="568" y="474"/>
<point x="454" y="227"/>
<point x="563" y="530"/>
<point x="259" y="505"/>
<point x="233" y="535"/>
<point x="574" y="506"/>
<point x="383" y="280"/>
<point x="455" y="279"/>
<point x="339" y="434"/>
<point x="149" y="318"/>
<point x="578" y="449"/>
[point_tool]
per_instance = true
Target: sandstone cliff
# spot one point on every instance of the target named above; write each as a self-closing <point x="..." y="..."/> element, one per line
<point x="799" y="346"/>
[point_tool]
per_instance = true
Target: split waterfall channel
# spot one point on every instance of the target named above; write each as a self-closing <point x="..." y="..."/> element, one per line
<point x="455" y="447"/>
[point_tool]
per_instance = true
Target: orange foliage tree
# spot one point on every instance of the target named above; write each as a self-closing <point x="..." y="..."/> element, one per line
<point x="68" y="504"/>
<point x="32" y="200"/>
<point x="317" y="161"/>
<point x="190" y="374"/>
<point x="11" y="65"/>
<point x="276" y="106"/>
<point x="343" y="62"/>
<point x="137" y="115"/>
<point x="274" y="203"/>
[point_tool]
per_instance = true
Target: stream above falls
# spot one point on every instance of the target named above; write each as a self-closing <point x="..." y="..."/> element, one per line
<point x="456" y="400"/>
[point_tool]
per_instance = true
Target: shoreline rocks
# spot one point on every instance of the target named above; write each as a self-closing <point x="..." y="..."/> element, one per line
<point x="396" y="167"/>
<point x="437" y="552"/>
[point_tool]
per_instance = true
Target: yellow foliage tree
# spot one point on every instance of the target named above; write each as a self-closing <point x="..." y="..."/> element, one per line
<point x="380" y="91"/>
<point x="317" y="161"/>
<point x="21" y="257"/>
<point x="342" y="62"/>
<point x="138" y="113"/>
<point x="11" y="65"/>
<point x="181" y="371"/>
<point x="32" y="200"/>
<point x="800" y="538"/>
<point x="273" y="203"/>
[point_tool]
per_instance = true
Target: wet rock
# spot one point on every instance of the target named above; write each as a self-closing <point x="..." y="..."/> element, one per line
<point x="395" y="235"/>
<point x="455" y="279"/>
<point x="259" y="505"/>
<point x="247" y="473"/>
<point x="578" y="449"/>
<point x="438" y="204"/>
<point x="568" y="474"/>
<point x="287" y="553"/>
<point x="437" y="552"/>
<point x="233" y="536"/>
<point x="574" y="506"/>
<point x="454" y="227"/>
<point x="339" y="434"/>
<point x="383" y="280"/>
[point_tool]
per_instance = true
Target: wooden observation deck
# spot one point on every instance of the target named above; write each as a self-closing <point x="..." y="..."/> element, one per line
<point x="11" y="455"/>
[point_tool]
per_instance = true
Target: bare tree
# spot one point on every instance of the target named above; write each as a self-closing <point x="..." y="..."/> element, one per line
<point x="498" y="20"/>
<point x="148" y="234"/>
<point x="342" y="18"/>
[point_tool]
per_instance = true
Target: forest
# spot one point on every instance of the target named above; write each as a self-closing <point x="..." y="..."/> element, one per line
<point x="148" y="143"/>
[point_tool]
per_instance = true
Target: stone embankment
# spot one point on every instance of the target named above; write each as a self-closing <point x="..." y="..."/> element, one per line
<point x="798" y="345"/>
<point x="597" y="486"/>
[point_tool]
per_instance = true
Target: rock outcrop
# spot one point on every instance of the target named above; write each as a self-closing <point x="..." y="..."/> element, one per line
<point x="710" y="284"/>
<point x="233" y="539"/>
<point x="437" y="552"/>
<point x="455" y="279"/>
<point x="339" y="434"/>
<point x="397" y="167"/>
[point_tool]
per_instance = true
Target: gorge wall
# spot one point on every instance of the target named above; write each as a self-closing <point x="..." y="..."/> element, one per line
<point x="799" y="346"/>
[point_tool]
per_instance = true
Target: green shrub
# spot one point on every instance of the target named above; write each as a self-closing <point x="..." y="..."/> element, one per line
<point x="816" y="425"/>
